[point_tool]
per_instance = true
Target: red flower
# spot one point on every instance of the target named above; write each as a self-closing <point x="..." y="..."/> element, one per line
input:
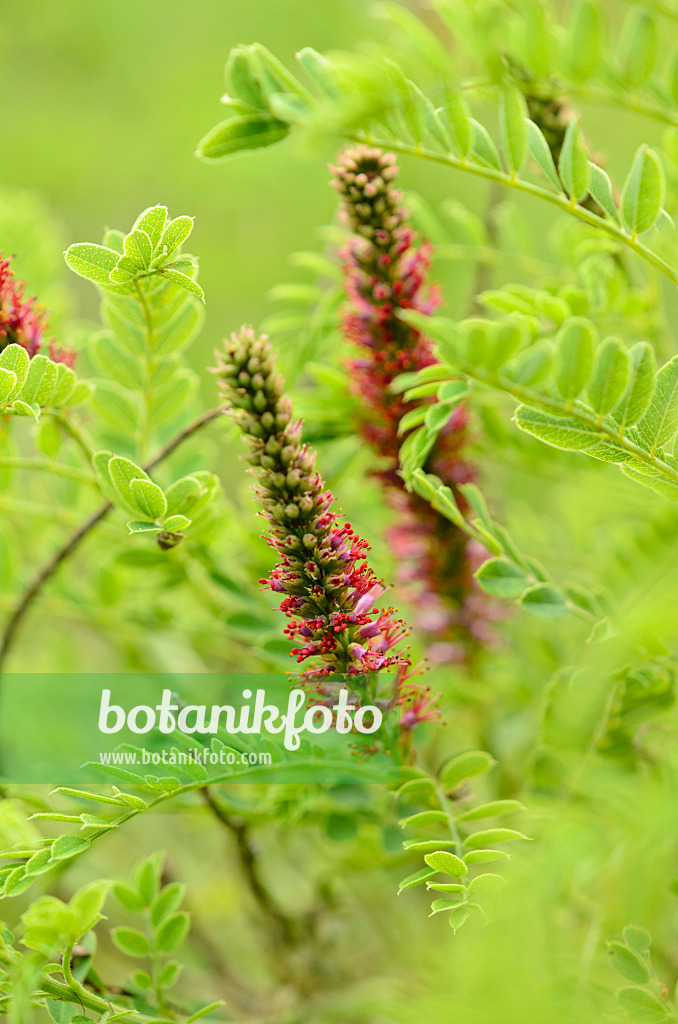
<point x="22" y="321"/>
<point x="330" y="595"/>
<point x="386" y="270"/>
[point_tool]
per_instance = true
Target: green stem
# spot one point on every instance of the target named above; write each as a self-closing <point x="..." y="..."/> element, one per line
<point x="509" y="181"/>
<point x="64" y="993"/>
<point x="562" y="408"/>
<point x="72" y="982"/>
<point x="69" y="427"/>
<point x="144" y="421"/>
<point x="451" y="820"/>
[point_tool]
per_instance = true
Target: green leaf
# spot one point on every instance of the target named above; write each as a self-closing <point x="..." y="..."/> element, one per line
<point x="184" y="281"/>
<point x="600" y="188"/>
<point x="179" y="331"/>
<point x="446" y="887"/>
<point x="142" y="526"/>
<point x="320" y="70"/>
<point x="81" y="392"/>
<point x="458" y="123"/>
<point x="538" y="41"/>
<point x="628" y="963"/>
<point x="513" y="128"/>
<point x="87" y="904"/>
<point x="643" y="192"/>
<point x="122" y="472"/>
<point x="574" y="356"/>
<point x="650" y="476"/>
<point x="183" y="495"/>
<point x="172" y="932"/>
<point x="493" y="809"/>
<point x="17" y="882"/>
<point x="544" y="602"/>
<point x="115" y="362"/>
<point x="458" y="917"/>
<point x="440" y="906"/>
<point x="641" y="385"/>
<point x="131" y="941"/>
<point x="39" y="863"/>
<point x="147" y="877"/>
<point x="611" y="369"/>
<point x="24" y="409"/>
<point x="639" y="47"/>
<point x="485" y="856"/>
<point x="8" y="382"/>
<point x="484" y="150"/>
<point x="558" y="431"/>
<point x="503" y="343"/>
<point x="148" y="498"/>
<point x="169" y="975"/>
<point x="425" y="818"/>
<point x="492" y="836"/>
<point x="167" y="902"/>
<point x="175" y="523"/>
<point x="94" y="262"/>
<point x="426" y="845"/>
<point x="465" y="766"/>
<point x="128" y="897"/>
<point x="15" y="358"/>
<point x="641" y="1005"/>
<point x="501" y="578"/>
<point x="169" y="400"/>
<point x="446" y="863"/>
<point x="40" y="380"/>
<point x="152" y="221"/>
<point x="659" y="424"/>
<point x="243" y="132"/>
<point x="418" y="878"/>
<point x="116" y="406"/>
<point x="176" y="232"/>
<point x="65" y="386"/>
<point x="204" y="1010"/>
<point x="68" y="846"/>
<point x="138" y="248"/>
<point x="541" y="154"/>
<point x="637" y="938"/>
<point x="573" y="164"/>
<point x="485" y="883"/>
<point x="243" y="74"/>
<point x="585" y="39"/>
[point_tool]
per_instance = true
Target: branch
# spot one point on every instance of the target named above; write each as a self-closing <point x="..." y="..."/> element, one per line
<point x="510" y="181"/>
<point x="284" y="925"/>
<point x="50" y="567"/>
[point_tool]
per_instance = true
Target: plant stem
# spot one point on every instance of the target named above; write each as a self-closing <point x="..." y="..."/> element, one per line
<point x="284" y="925"/>
<point x="510" y="181"/>
<point x="46" y="571"/>
<point x="69" y="427"/>
<point x="72" y="982"/>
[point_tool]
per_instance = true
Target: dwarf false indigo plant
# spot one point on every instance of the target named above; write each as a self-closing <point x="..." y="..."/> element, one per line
<point x="386" y="270"/>
<point x="294" y="915"/>
<point x="330" y="594"/>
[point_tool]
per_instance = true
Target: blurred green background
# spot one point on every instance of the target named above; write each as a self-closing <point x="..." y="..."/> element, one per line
<point x="105" y="103"/>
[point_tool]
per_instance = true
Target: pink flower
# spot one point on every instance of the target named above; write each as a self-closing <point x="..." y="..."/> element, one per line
<point x="22" y="321"/>
<point x="330" y="593"/>
<point x="386" y="269"/>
